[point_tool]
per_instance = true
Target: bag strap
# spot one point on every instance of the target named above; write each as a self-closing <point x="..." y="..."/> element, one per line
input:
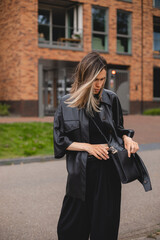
<point x="100" y="131"/>
<point x="111" y="148"/>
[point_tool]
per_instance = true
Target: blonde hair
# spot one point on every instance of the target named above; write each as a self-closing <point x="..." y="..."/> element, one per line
<point x="82" y="89"/>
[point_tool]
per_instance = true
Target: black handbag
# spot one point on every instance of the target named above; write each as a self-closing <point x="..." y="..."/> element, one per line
<point x="128" y="168"/>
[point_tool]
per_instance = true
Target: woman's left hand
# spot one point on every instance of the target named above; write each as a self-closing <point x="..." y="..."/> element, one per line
<point x="130" y="145"/>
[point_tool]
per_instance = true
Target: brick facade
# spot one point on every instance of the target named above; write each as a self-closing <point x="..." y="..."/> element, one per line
<point x="19" y="51"/>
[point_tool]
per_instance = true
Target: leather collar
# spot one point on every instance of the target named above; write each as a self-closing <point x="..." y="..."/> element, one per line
<point x="105" y="97"/>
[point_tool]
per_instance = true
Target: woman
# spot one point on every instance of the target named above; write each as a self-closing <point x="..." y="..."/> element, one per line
<point x="91" y="206"/>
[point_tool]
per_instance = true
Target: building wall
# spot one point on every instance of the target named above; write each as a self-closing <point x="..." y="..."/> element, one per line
<point x="19" y="51"/>
<point x="18" y="55"/>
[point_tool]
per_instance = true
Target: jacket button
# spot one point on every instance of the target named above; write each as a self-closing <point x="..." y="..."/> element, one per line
<point x="145" y="181"/>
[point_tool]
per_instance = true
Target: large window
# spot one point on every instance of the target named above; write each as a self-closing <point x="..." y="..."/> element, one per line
<point x="156" y="3"/>
<point x="156" y="33"/>
<point x="60" y="27"/>
<point x="123" y="32"/>
<point x="99" y="29"/>
<point x="156" y="83"/>
<point x="125" y="0"/>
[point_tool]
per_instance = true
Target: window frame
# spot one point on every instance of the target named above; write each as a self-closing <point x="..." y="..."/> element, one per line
<point x="101" y="33"/>
<point x="155" y="51"/>
<point x="50" y="44"/>
<point x="50" y="24"/>
<point x="129" y="36"/>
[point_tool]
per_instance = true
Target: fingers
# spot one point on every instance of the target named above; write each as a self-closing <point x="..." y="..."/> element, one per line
<point x="103" y="153"/>
<point x="100" y="151"/>
<point x="131" y="147"/>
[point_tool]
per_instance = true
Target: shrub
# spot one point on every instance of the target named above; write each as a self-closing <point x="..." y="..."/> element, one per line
<point x="153" y="111"/>
<point x="4" y="109"/>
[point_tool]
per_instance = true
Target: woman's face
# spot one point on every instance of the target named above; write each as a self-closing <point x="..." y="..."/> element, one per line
<point x="99" y="81"/>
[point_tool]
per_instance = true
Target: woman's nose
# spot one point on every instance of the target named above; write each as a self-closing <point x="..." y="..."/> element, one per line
<point x="98" y="83"/>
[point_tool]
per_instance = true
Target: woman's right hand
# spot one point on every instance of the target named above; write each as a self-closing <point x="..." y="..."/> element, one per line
<point x="100" y="151"/>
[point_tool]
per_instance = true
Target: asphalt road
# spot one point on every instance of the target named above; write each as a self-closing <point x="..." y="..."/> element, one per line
<point x="31" y="196"/>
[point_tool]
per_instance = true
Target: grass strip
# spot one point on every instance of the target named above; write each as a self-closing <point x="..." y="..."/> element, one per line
<point x="26" y="139"/>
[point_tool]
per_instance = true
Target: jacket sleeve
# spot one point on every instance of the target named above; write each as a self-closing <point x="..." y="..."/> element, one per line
<point x="61" y="141"/>
<point x="118" y="119"/>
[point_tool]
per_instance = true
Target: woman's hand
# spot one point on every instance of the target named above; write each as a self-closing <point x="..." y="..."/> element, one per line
<point x="130" y="145"/>
<point x="100" y="151"/>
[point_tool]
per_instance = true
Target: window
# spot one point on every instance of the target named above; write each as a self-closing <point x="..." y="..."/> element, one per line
<point x="156" y="33"/>
<point x="156" y="83"/>
<point x="125" y="0"/>
<point x="44" y="25"/>
<point x="123" y="32"/>
<point x="99" y="29"/>
<point x="60" y="27"/>
<point x="156" y="3"/>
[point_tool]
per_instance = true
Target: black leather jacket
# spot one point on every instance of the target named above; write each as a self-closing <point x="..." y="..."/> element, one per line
<point x="72" y="125"/>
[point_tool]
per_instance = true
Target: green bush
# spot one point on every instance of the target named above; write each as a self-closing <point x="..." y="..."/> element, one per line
<point x="153" y="111"/>
<point x="4" y="109"/>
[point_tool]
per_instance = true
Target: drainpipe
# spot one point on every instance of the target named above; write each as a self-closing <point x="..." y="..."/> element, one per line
<point x="142" y="57"/>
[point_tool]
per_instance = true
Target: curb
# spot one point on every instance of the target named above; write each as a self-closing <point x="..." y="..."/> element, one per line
<point x="28" y="160"/>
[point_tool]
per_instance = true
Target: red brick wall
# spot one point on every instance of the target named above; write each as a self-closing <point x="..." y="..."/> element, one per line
<point x="19" y="51"/>
<point x="10" y="48"/>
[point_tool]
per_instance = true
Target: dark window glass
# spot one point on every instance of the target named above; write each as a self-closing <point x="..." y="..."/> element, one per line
<point x="123" y="23"/>
<point x="123" y="32"/>
<point x="70" y="22"/>
<point x="125" y="0"/>
<point x="43" y="17"/>
<point x="58" y="16"/>
<point x="156" y="83"/>
<point x="58" y="33"/>
<point x="43" y="25"/>
<point x="99" y="19"/>
<point x="43" y="33"/>
<point x="156" y="33"/>
<point x="58" y="20"/>
<point x="156" y="3"/>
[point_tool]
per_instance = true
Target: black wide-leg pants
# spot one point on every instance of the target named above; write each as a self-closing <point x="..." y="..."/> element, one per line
<point x="98" y="217"/>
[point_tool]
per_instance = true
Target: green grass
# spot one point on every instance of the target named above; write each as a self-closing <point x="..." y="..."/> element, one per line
<point x="26" y="139"/>
<point x="153" y="111"/>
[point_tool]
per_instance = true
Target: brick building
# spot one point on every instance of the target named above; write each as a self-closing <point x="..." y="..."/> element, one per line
<point x="41" y="41"/>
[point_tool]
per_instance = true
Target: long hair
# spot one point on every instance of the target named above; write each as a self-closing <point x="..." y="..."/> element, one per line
<point x="81" y="93"/>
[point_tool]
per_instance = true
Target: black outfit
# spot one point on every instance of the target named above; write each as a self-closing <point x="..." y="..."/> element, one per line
<point x="93" y="190"/>
<point x="99" y="215"/>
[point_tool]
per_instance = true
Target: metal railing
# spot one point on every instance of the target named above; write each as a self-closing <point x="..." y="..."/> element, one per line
<point x="60" y="37"/>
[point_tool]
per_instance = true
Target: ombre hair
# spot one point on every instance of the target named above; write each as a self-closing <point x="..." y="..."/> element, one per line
<point x="81" y="93"/>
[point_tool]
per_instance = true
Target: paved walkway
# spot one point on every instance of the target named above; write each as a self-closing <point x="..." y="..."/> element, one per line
<point x="32" y="194"/>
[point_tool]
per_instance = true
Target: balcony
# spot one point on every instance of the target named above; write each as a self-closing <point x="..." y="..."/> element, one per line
<point x="60" y="37"/>
<point x="60" y="26"/>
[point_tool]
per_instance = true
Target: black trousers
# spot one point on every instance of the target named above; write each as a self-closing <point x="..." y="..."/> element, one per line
<point x="98" y="217"/>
